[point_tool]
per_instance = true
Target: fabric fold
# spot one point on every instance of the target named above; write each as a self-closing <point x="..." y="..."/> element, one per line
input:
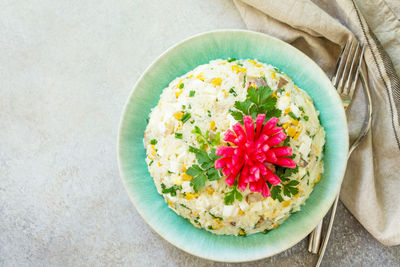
<point x="320" y="28"/>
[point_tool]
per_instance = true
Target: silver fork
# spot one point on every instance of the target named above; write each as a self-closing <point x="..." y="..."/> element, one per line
<point x="344" y="79"/>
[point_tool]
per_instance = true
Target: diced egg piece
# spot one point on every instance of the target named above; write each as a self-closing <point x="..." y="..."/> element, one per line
<point x="229" y="211"/>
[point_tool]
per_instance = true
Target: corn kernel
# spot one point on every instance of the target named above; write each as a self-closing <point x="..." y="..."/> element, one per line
<point x="169" y="203"/>
<point x="252" y="61"/>
<point x="240" y="212"/>
<point x="226" y="94"/>
<point x="190" y="196"/>
<point x="177" y="94"/>
<point x="273" y="74"/>
<point x="297" y="88"/>
<point x="184" y="168"/>
<point x="274" y="95"/>
<point x="275" y="226"/>
<point x="159" y="164"/>
<point x="216" y="82"/>
<point x="241" y="232"/>
<point x="287" y="111"/>
<point x="258" y="65"/>
<point x="201" y="77"/>
<point x="205" y="147"/>
<point x="285" y="125"/>
<point x="318" y="179"/>
<point x="262" y="73"/>
<point x="287" y="93"/>
<point x="294" y="122"/>
<point x="178" y="115"/>
<point x="286" y="203"/>
<point x="238" y="69"/>
<point x="191" y="76"/>
<point x="212" y="125"/>
<point x="210" y="190"/>
<point x="291" y="131"/>
<point x="186" y="177"/>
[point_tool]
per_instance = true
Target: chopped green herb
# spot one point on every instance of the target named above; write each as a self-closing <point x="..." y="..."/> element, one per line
<point x="183" y="107"/>
<point x="186" y="117"/>
<point x="191" y="93"/>
<point x="240" y="64"/>
<point x="308" y="173"/>
<point x="192" y="121"/>
<point x="181" y="85"/>
<point x="244" y="81"/>
<point x="231" y="59"/>
<point x="301" y="108"/>
<point x="210" y="227"/>
<point x="215" y="217"/>
<point x="183" y="205"/>
<point x="147" y="121"/>
<point x="316" y="158"/>
<point x="209" y="113"/>
<point x="169" y="172"/>
<point x="196" y="221"/>
<point x="153" y="141"/>
<point x="171" y="190"/>
<point x="232" y="195"/>
<point x="305" y="117"/>
<point x="151" y="162"/>
<point x="232" y="91"/>
<point x="291" y="114"/>
<point x="178" y="135"/>
<point x="266" y="231"/>
<point x="190" y="106"/>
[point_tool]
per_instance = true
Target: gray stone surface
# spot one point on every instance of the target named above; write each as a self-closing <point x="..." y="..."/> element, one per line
<point x="66" y="69"/>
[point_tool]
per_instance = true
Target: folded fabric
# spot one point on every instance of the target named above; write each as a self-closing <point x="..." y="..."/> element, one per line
<point x="320" y="28"/>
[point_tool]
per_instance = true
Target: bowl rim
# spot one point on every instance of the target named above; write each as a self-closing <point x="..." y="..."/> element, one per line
<point x="122" y="119"/>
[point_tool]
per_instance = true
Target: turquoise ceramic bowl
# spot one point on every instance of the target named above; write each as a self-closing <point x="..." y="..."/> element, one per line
<point x="184" y="57"/>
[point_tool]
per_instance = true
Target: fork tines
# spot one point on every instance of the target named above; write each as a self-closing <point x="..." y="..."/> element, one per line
<point x="346" y="72"/>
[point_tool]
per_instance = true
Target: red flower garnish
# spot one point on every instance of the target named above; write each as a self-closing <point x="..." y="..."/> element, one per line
<point x="253" y="151"/>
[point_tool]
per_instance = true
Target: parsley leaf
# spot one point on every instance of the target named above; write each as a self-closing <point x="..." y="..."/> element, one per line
<point x="276" y="193"/>
<point x="205" y="170"/>
<point x="191" y="93"/>
<point x="231" y="59"/>
<point x="232" y="195"/>
<point x="178" y="135"/>
<point x="181" y="86"/>
<point x="198" y="182"/>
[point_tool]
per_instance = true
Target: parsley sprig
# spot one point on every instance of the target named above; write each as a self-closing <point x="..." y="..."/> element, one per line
<point x="205" y="170"/>
<point x="258" y="101"/>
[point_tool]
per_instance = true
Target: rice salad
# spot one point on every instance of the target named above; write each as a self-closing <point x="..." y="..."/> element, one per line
<point x="193" y="115"/>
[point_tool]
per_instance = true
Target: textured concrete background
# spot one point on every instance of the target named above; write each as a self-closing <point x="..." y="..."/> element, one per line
<point x="66" y="69"/>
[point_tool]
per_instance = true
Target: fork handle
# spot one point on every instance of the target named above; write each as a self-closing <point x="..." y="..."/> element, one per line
<point x="353" y="146"/>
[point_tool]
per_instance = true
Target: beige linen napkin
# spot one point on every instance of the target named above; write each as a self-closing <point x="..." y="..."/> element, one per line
<point x="371" y="187"/>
